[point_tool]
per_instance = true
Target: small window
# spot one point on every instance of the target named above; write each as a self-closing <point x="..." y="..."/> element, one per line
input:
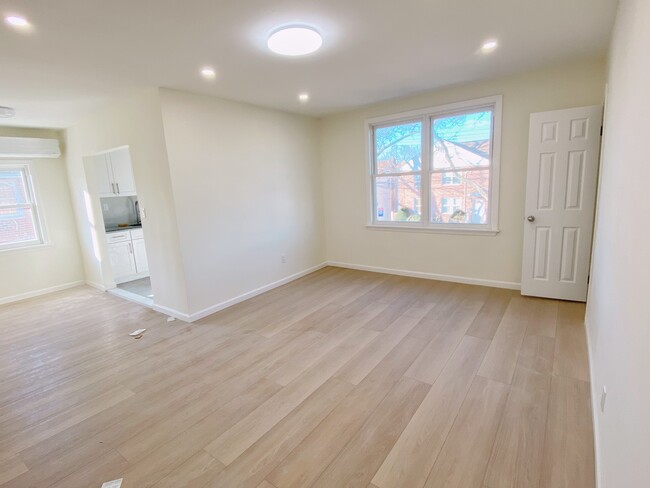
<point x="19" y="217"/>
<point x="450" y="178"/>
<point x="437" y="168"/>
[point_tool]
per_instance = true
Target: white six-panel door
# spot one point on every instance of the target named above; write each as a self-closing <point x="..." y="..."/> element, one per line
<point x="563" y="155"/>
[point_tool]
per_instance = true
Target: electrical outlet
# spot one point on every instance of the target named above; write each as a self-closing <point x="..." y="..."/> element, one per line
<point x="105" y="207"/>
<point x="283" y="258"/>
<point x="603" y="399"/>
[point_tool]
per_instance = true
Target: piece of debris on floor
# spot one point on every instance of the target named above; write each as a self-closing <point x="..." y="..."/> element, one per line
<point x="113" y="484"/>
<point x="171" y="319"/>
<point x="136" y="334"/>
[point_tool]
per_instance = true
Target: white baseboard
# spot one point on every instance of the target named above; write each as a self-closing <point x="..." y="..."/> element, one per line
<point x="429" y="276"/>
<point x="98" y="286"/>
<point x="131" y="297"/>
<point x="42" y="291"/>
<point x="193" y="317"/>
<point x="595" y="404"/>
<point x="172" y="312"/>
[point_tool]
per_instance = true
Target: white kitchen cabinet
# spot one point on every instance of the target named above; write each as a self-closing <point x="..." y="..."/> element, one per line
<point x="114" y="174"/>
<point x="140" y="255"/>
<point x="122" y="261"/>
<point x="103" y="176"/>
<point x="127" y="255"/>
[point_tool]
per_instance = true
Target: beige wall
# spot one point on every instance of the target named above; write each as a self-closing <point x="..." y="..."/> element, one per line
<point x="133" y="121"/>
<point x="246" y="183"/>
<point x="498" y="258"/>
<point x="57" y="264"/>
<point x="618" y="311"/>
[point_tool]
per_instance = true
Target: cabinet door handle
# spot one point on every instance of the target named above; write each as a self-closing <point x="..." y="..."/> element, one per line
<point x="130" y="248"/>
<point x="113" y="187"/>
<point x="118" y="187"/>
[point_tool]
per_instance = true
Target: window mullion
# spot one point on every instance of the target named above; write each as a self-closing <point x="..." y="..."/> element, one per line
<point x="425" y="185"/>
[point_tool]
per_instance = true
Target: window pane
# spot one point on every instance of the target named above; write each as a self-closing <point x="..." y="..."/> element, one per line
<point x="12" y="187"/>
<point x="398" y="148"/>
<point x="17" y="226"/>
<point x="466" y="203"/>
<point x="462" y="141"/>
<point x="398" y="198"/>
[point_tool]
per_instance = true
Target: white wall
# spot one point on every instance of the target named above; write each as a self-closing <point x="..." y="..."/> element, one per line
<point x="497" y="259"/>
<point x="133" y="121"/>
<point x="28" y="271"/>
<point x="618" y="311"/>
<point x="246" y="183"/>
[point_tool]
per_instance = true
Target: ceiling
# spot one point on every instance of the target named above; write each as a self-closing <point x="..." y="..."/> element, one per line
<point x="81" y="53"/>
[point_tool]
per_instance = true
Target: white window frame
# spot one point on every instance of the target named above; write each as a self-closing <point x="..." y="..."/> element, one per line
<point x="32" y="204"/>
<point x="425" y="116"/>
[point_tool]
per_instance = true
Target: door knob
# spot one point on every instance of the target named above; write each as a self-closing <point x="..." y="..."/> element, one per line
<point x="530" y="218"/>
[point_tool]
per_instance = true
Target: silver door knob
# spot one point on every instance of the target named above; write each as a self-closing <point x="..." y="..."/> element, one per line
<point x="530" y="218"/>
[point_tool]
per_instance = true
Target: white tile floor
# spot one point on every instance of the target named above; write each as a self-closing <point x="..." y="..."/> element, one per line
<point x="140" y="287"/>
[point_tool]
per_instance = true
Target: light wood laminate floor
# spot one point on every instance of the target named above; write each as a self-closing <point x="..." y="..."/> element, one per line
<point x="340" y="379"/>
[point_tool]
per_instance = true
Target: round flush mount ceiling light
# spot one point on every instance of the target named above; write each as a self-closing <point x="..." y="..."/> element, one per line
<point x="489" y="46"/>
<point x="7" y="112"/>
<point x="17" y="22"/>
<point x="295" y="40"/>
<point x="303" y="97"/>
<point x="208" y="73"/>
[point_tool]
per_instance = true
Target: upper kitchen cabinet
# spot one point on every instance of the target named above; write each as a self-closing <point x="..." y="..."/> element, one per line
<point x="114" y="173"/>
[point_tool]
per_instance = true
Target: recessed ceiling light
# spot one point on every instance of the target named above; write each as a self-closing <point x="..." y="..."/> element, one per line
<point x="17" y="21"/>
<point x="7" y="112"/>
<point x="303" y="97"/>
<point x="295" y="41"/>
<point x="208" y="73"/>
<point x="489" y="46"/>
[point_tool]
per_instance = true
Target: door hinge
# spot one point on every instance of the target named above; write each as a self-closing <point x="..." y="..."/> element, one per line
<point x="601" y="131"/>
<point x="588" y="279"/>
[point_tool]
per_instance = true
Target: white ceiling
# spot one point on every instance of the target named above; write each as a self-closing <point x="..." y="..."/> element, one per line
<point x="83" y="52"/>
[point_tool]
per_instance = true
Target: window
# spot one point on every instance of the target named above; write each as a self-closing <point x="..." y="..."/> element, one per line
<point x="451" y="205"/>
<point x="19" y="219"/>
<point x="437" y="169"/>
<point x="450" y="178"/>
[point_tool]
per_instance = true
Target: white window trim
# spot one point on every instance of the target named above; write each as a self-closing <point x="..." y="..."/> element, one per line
<point x="39" y="225"/>
<point x="425" y="115"/>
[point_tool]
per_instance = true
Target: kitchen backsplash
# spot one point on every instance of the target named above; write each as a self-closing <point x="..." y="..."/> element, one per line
<point x="118" y="210"/>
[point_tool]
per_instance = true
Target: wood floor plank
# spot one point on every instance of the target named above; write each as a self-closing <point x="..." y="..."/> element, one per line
<point x="466" y="452"/>
<point x="489" y="317"/>
<point x="311" y="457"/>
<point x="10" y="468"/>
<point x="232" y="443"/>
<point x="359" y="460"/>
<point x="168" y="457"/>
<point x="518" y="449"/>
<point x="107" y="468"/>
<point x="250" y="469"/>
<point x="546" y="316"/>
<point x="428" y="366"/>
<point x="501" y="358"/>
<point x="416" y="450"/>
<point x="193" y="473"/>
<point x="569" y="442"/>
<point x="371" y="355"/>
<point x="571" y="357"/>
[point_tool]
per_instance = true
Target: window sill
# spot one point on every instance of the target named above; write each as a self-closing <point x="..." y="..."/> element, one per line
<point x="30" y="247"/>
<point x="433" y="230"/>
